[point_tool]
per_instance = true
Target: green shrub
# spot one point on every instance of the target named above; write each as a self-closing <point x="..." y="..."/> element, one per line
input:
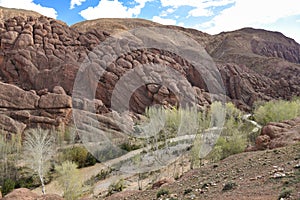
<point x="235" y="133"/>
<point x="285" y="193"/>
<point x="78" y="155"/>
<point x="276" y="111"/>
<point x="229" y="146"/>
<point x="162" y="192"/>
<point x="116" y="187"/>
<point x="187" y="191"/>
<point x="29" y="182"/>
<point x="8" y="186"/>
<point x="229" y="186"/>
<point x="129" y="147"/>
<point x="70" y="180"/>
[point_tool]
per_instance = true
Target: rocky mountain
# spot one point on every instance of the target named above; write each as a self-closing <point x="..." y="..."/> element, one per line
<point x="40" y="58"/>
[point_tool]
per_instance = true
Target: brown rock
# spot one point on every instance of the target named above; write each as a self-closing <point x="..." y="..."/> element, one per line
<point x="262" y="142"/>
<point x="161" y="182"/>
<point x="24" y="40"/>
<point x="279" y="134"/>
<point x="50" y="197"/>
<point x="59" y="90"/>
<point x="14" y="97"/>
<point x="54" y="101"/>
<point x="21" y="194"/>
<point x="10" y="125"/>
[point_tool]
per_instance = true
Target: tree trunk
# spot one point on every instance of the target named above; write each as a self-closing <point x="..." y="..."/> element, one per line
<point x="43" y="186"/>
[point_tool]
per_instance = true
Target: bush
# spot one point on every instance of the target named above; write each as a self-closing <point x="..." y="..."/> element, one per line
<point x="8" y="186"/>
<point x="129" y="147"/>
<point x="285" y="193"/>
<point x="229" y="186"/>
<point x="229" y="146"/>
<point x="78" y="155"/>
<point x="187" y="191"/>
<point x="234" y="136"/>
<point x="276" y="111"/>
<point x="116" y="187"/>
<point x="162" y="192"/>
<point x="69" y="180"/>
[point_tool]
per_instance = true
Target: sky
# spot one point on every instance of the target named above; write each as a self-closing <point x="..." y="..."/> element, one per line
<point x="210" y="16"/>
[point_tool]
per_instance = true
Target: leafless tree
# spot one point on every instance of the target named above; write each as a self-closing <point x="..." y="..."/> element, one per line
<point x="39" y="146"/>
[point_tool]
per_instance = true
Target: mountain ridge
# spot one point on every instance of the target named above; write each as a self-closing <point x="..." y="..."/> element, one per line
<point x="39" y="53"/>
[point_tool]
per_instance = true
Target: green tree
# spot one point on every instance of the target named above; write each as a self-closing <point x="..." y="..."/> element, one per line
<point x="276" y="111"/>
<point x="70" y="180"/>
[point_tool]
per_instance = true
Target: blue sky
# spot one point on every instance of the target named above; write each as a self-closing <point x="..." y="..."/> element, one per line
<point x="211" y="16"/>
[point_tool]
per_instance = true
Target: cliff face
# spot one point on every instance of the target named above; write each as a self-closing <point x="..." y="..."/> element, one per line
<point x="40" y="58"/>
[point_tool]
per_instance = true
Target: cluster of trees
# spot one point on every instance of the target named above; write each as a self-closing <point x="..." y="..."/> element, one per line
<point x="43" y="153"/>
<point x="33" y="161"/>
<point x="276" y="111"/>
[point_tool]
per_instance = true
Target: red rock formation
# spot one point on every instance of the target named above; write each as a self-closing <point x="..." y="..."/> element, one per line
<point x="279" y="134"/>
<point x="40" y="58"/>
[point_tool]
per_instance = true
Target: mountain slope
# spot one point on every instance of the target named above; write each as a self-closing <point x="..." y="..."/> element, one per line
<point x="262" y="175"/>
<point x="39" y="54"/>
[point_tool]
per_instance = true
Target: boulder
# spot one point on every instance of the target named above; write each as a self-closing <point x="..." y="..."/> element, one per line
<point x="279" y="134"/>
<point x="10" y="125"/>
<point x="55" y="101"/>
<point x="14" y="97"/>
<point x="161" y="182"/>
<point x="21" y="194"/>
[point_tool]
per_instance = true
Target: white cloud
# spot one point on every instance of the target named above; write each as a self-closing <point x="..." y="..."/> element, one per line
<point x="181" y="24"/>
<point x="298" y="20"/>
<point x="113" y="9"/>
<point x="167" y="12"/>
<point x="199" y="12"/>
<point x="200" y="7"/>
<point x="29" y="5"/>
<point x="76" y="2"/>
<point x="254" y="13"/>
<point x="164" y="21"/>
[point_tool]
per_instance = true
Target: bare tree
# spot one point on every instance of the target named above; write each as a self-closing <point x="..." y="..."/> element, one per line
<point x="38" y="150"/>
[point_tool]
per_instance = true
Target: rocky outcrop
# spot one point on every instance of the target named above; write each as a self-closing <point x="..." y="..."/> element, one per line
<point x="40" y="58"/>
<point x="26" y="194"/>
<point x="20" y="109"/>
<point x="270" y="54"/>
<point x="280" y="134"/>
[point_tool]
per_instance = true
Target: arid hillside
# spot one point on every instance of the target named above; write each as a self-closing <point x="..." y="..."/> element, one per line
<point x="40" y="58"/>
<point x="103" y="74"/>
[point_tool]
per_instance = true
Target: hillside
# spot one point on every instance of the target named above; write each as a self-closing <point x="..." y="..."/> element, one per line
<point x="39" y="53"/>
<point x="262" y="175"/>
<point x="101" y="76"/>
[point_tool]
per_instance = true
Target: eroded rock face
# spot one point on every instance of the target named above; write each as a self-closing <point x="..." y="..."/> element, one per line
<point x="40" y="58"/>
<point x="20" y="109"/>
<point x="14" y="97"/>
<point x="279" y="134"/>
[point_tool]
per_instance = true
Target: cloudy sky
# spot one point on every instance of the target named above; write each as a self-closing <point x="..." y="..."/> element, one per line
<point x="211" y="16"/>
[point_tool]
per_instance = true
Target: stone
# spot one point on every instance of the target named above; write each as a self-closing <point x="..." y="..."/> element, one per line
<point x="279" y="134"/>
<point x="162" y="181"/>
<point x="24" y="40"/>
<point x="14" y="97"/>
<point x="55" y="101"/>
<point x="10" y="125"/>
<point x="59" y="90"/>
<point x="21" y="194"/>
